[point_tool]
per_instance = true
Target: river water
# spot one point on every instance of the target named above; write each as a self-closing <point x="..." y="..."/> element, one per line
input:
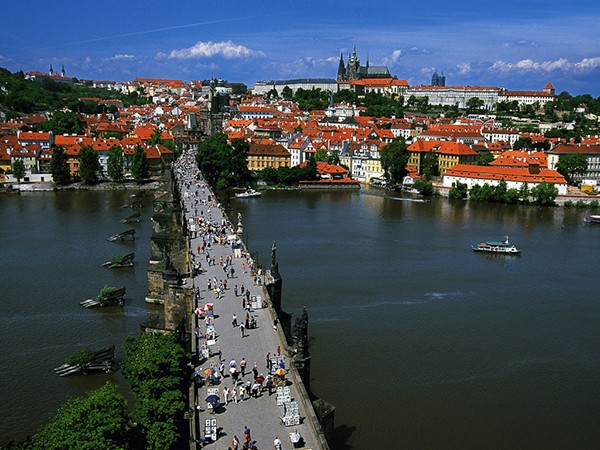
<point x="52" y="248"/>
<point x="418" y="341"/>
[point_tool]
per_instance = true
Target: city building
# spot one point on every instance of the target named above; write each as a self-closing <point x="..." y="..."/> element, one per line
<point x="529" y="97"/>
<point x="261" y="156"/>
<point x="324" y="84"/>
<point x="456" y="95"/>
<point x="513" y="176"/>
<point x="590" y="151"/>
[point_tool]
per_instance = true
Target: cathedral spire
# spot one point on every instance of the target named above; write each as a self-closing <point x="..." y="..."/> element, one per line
<point x="341" y="75"/>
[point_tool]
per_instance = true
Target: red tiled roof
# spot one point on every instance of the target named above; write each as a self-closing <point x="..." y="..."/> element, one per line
<point x="506" y="173"/>
<point x="575" y="148"/>
<point x="267" y="150"/>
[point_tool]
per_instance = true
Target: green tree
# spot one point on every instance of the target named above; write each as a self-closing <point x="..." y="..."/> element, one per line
<point x="425" y="188"/>
<point x="571" y="165"/>
<point x="544" y="194"/>
<point x="272" y="93"/>
<point x="89" y="165"/>
<point x="524" y="193"/>
<point x="523" y="143"/>
<point x="394" y="157"/>
<point x="98" y="420"/>
<point x="484" y="158"/>
<point x="309" y="172"/>
<point x="423" y="104"/>
<point x="311" y="99"/>
<point x="334" y="158"/>
<point x="474" y="105"/>
<point x="287" y="93"/>
<point x="236" y="163"/>
<point x="140" y="169"/>
<point x="430" y="166"/>
<point x="458" y="191"/>
<point x="115" y="163"/>
<point x="211" y="156"/>
<point x="221" y="164"/>
<point x="481" y="193"/>
<point x="61" y="122"/>
<point x="18" y="170"/>
<point x="511" y="196"/>
<point x="321" y="155"/>
<point x="155" y="368"/>
<point x="269" y="175"/>
<point x="59" y="167"/>
<point x="155" y="137"/>
<point x="499" y="192"/>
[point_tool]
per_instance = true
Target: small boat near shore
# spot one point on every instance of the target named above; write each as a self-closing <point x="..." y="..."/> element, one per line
<point x="248" y="193"/>
<point x="592" y="218"/>
<point x="501" y="247"/>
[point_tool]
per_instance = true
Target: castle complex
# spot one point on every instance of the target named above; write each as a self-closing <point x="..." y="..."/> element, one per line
<point x="354" y="71"/>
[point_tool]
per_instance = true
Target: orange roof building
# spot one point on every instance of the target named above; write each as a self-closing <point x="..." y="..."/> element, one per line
<point x="513" y="176"/>
<point x="261" y="156"/>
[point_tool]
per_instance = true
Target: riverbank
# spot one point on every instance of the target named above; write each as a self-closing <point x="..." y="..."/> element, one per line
<point x="102" y="186"/>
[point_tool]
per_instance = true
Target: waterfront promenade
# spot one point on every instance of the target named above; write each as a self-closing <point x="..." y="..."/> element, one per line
<point x="219" y="264"/>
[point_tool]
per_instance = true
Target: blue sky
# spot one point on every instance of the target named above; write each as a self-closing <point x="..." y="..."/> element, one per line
<point x="513" y="44"/>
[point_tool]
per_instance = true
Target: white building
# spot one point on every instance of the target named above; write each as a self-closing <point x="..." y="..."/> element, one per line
<point x="324" y="84"/>
<point x="456" y="95"/>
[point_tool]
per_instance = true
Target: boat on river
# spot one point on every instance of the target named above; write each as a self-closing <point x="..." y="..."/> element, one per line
<point x="592" y="218"/>
<point x="248" y="193"/>
<point x="501" y="247"/>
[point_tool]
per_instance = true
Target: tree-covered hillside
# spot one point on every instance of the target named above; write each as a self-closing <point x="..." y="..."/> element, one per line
<point x="18" y="95"/>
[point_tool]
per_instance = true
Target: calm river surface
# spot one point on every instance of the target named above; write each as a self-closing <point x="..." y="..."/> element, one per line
<point x="418" y="341"/>
<point x="52" y="248"/>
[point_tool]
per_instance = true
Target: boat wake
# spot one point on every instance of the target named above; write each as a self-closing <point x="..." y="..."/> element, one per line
<point x="413" y="200"/>
<point x="428" y="297"/>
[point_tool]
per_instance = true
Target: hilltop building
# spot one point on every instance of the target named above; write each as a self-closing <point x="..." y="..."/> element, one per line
<point x="438" y="80"/>
<point x="353" y="71"/>
<point x="59" y="78"/>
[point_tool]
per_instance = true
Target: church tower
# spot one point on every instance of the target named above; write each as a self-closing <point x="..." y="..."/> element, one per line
<point x="51" y="71"/>
<point x="353" y="66"/>
<point x="341" y="74"/>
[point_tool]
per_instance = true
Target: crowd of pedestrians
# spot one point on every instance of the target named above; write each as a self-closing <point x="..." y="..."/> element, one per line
<point x="225" y="276"/>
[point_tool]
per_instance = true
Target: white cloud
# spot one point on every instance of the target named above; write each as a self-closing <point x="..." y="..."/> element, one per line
<point x="463" y="68"/>
<point x="394" y="57"/>
<point x="521" y="43"/>
<point x="587" y="64"/>
<point x="396" y="54"/>
<point x="123" y="56"/>
<point x="419" y="51"/>
<point x="561" y="64"/>
<point x="226" y="49"/>
<point x="305" y="65"/>
<point x="87" y="63"/>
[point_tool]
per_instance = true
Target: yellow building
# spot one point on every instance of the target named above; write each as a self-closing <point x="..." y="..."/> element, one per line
<point x="450" y="153"/>
<point x="261" y="156"/>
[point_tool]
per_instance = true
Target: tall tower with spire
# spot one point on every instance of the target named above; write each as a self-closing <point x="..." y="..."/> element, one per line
<point x="353" y="66"/>
<point x="51" y="71"/>
<point x="341" y="74"/>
